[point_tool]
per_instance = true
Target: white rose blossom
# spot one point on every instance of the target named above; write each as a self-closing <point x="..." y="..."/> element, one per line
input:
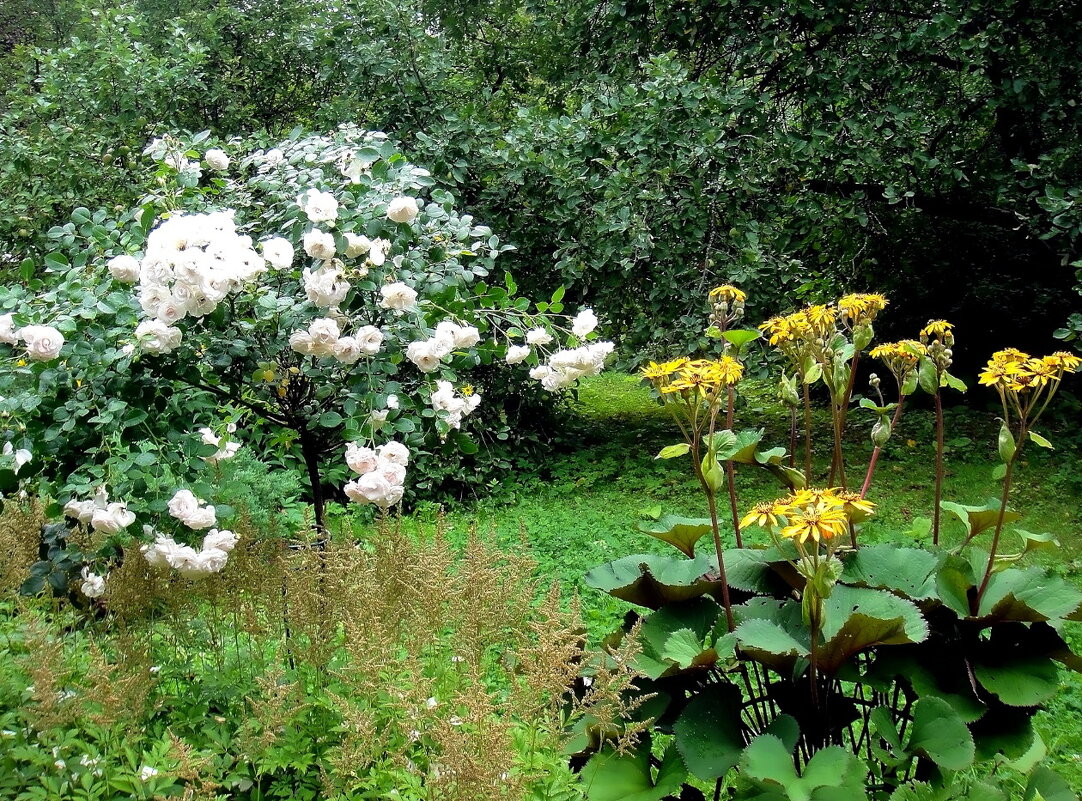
<point x="517" y="353"/>
<point x="325" y="287"/>
<point x="425" y="355"/>
<point x="584" y="323"/>
<point x="398" y="296"/>
<point x="538" y="336"/>
<point x="224" y="452"/>
<point x="279" y="253"/>
<point x="216" y="159"/>
<point x="19" y="457"/>
<point x="191" y="511"/>
<point x="319" y="206"/>
<point x="9" y="334"/>
<point x="93" y="585"/>
<point x="43" y="342"/>
<point x="402" y="209"/>
<point x="154" y="336"/>
<point x="356" y="245"/>
<point x="124" y="268"/>
<point x="347" y="350"/>
<point x="456" y="406"/>
<point x="319" y="244"/>
<point x="377" y="253"/>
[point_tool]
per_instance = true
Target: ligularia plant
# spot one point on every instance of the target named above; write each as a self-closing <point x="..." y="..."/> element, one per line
<point x="324" y="288"/>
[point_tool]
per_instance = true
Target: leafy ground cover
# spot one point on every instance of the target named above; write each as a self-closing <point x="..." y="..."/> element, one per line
<point x="579" y="507"/>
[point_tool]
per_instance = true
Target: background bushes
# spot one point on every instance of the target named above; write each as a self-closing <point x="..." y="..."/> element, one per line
<point x="629" y="149"/>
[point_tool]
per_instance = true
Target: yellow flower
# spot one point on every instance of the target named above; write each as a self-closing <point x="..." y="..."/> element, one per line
<point x="814" y="496"/>
<point x="659" y="373"/>
<point x="936" y="329"/>
<point x="901" y="356"/>
<point x="730" y="370"/>
<point x="820" y="522"/>
<point x="821" y="317"/>
<point x="467" y="390"/>
<point x="779" y="330"/>
<point x="705" y="377"/>
<point x="727" y="293"/>
<point x="763" y="515"/>
<point x="862" y="307"/>
<point x="1009" y="356"/>
<point x="857" y="508"/>
<point x="1062" y="360"/>
<point x="1040" y="372"/>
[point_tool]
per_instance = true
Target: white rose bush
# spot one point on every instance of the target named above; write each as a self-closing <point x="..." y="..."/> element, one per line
<point x="321" y="290"/>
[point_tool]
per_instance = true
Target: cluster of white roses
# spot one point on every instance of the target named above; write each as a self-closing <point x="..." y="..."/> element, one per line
<point x="324" y="338"/>
<point x="166" y="552"/>
<point x="100" y="514"/>
<point x="565" y="367"/>
<point x="444" y="399"/>
<point x="426" y="354"/>
<point x="382" y="473"/>
<point x="192" y="263"/>
<point x="43" y="342"/>
<point x="226" y="451"/>
<point x="193" y="512"/>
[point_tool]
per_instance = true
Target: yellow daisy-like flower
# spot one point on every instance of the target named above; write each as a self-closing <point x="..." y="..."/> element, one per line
<point x="901" y="356"/>
<point x="815" y="496"/>
<point x="936" y="329"/>
<point x="466" y="390"/>
<point x="862" y="307"/>
<point x="998" y="372"/>
<point x="763" y="515"/>
<point x="821" y="317"/>
<point x="1041" y="372"/>
<point x="1010" y="356"/>
<point x="727" y="293"/>
<point x="818" y="523"/>
<point x="704" y="376"/>
<point x="729" y="369"/>
<point x="857" y="508"/>
<point x="779" y="330"/>
<point x="1062" y="360"/>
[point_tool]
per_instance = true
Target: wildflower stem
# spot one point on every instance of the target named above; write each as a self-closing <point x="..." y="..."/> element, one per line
<point x="878" y="448"/>
<point x="792" y="436"/>
<point x="1007" y="476"/>
<point x="712" y="506"/>
<point x="730" y="475"/>
<point x="936" y="512"/>
<point x="842" y="412"/>
<point x="807" y="433"/>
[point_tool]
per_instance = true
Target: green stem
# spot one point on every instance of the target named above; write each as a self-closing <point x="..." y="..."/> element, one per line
<point x="807" y="435"/>
<point x="878" y="448"/>
<point x="999" y="520"/>
<point x="936" y="511"/>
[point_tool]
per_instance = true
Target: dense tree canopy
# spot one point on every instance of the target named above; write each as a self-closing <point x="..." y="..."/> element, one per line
<point x="629" y="149"/>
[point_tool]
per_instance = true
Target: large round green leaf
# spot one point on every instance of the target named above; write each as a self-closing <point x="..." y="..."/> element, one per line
<point x="708" y="732"/>
<point x="857" y="618"/>
<point x="610" y="776"/>
<point x="1020" y="680"/>
<point x="908" y="571"/>
<point x="940" y="734"/>
<point x="651" y="580"/>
